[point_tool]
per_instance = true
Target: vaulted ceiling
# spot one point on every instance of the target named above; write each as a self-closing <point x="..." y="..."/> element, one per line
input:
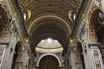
<point x="49" y="18"/>
<point x="59" y="8"/>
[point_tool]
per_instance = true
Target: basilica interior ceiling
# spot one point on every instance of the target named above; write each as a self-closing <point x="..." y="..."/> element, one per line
<point x="51" y="34"/>
<point x="49" y="18"/>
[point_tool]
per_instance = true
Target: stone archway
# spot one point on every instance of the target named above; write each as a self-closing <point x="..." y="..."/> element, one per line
<point x="17" y="64"/>
<point x="80" y="56"/>
<point x="95" y="36"/>
<point x="49" y="62"/>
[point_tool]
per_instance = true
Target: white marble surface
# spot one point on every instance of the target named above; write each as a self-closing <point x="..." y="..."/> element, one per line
<point x="102" y="4"/>
<point x="49" y="44"/>
<point x="1" y="0"/>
